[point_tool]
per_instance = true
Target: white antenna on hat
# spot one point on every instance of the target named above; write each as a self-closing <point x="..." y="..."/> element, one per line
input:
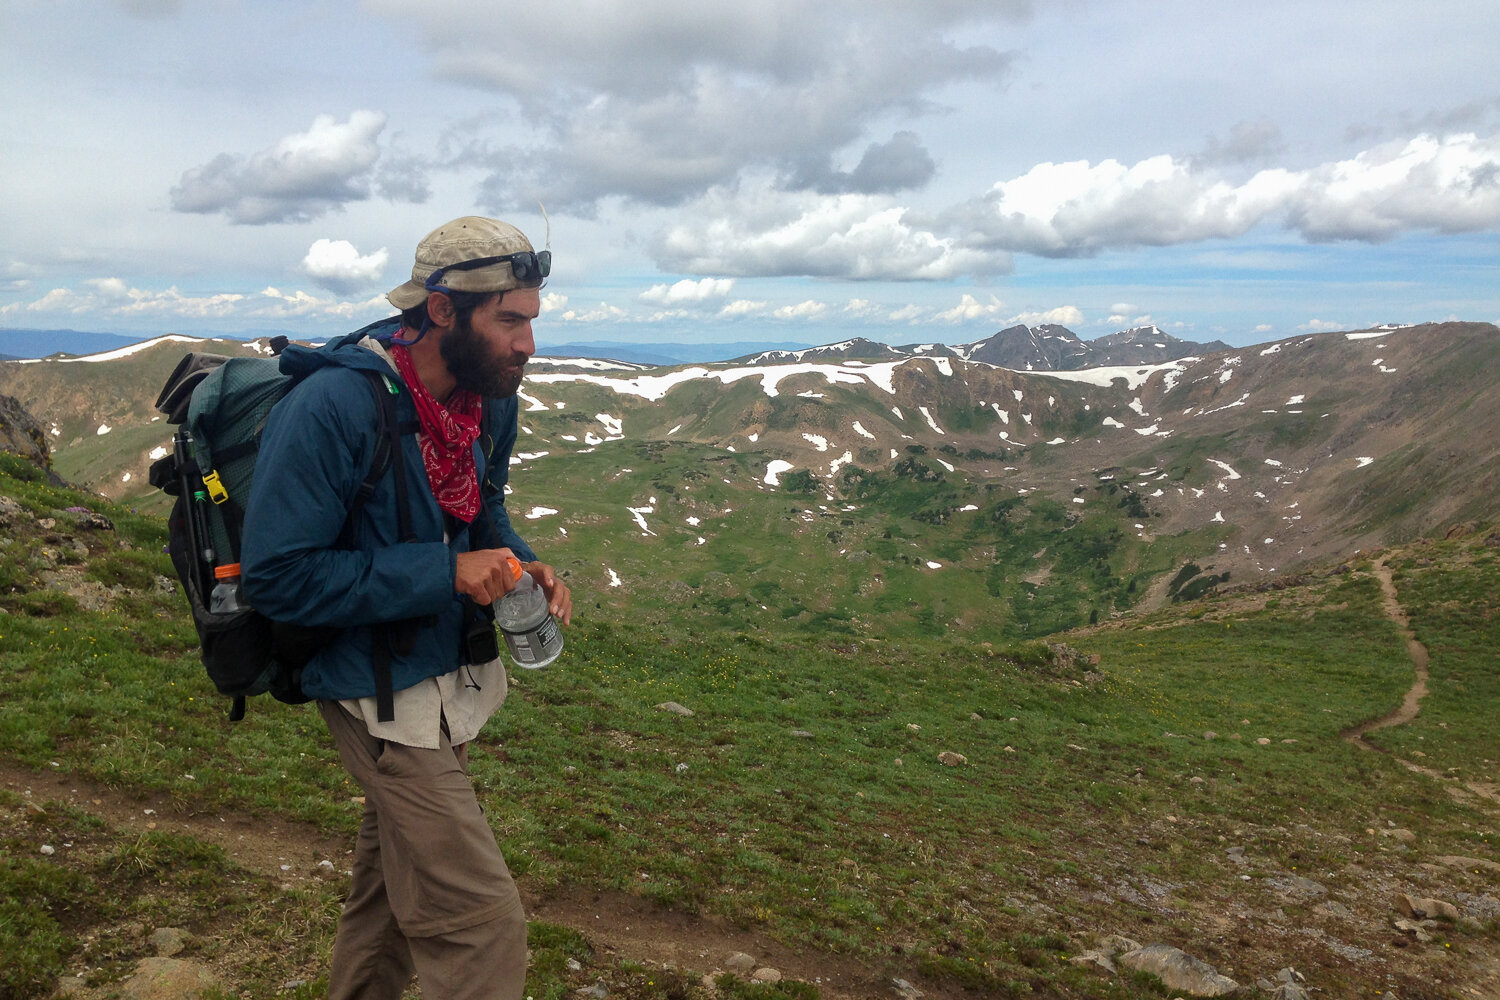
<point x="548" y="221"/>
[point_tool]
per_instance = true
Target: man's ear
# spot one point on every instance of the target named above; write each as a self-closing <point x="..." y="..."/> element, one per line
<point x="440" y="309"/>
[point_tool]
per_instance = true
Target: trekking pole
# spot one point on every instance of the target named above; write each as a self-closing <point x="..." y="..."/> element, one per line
<point x="191" y="488"/>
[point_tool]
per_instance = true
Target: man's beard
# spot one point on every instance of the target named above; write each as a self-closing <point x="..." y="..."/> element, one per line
<point x="475" y="366"/>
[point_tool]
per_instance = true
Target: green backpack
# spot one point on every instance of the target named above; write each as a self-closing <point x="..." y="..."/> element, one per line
<point x="220" y="406"/>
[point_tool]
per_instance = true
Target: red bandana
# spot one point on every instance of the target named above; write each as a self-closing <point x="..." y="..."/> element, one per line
<point x="448" y="435"/>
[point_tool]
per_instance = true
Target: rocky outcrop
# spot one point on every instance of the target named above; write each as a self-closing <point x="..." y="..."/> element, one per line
<point x="21" y="434"/>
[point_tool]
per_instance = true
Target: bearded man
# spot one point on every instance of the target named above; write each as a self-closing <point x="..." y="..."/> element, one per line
<point x="404" y="686"/>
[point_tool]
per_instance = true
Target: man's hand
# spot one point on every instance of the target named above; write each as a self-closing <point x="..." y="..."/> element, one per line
<point x="485" y="577"/>
<point x="559" y="597"/>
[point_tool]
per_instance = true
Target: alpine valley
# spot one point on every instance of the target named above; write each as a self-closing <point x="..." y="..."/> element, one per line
<point x="1013" y="487"/>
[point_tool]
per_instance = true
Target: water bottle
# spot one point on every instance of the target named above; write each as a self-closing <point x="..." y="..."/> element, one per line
<point x="227" y="597"/>
<point x="531" y="633"/>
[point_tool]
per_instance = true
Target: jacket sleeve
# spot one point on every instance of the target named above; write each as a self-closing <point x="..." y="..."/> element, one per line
<point x="501" y="415"/>
<point x="315" y="452"/>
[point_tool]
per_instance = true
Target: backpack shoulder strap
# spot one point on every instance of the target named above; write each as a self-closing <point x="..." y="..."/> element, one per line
<point x="388" y="455"/>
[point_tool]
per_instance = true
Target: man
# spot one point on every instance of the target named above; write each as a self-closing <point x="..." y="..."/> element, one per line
<point x="431" y="894"/>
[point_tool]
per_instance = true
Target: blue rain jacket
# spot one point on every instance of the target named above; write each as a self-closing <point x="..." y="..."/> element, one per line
<point x="315" y="452"/>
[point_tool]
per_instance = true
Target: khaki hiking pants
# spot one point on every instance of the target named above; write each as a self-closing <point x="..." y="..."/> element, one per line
<point x="431" y="894"/>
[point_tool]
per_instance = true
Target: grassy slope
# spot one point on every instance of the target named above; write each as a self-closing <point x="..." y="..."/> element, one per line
<point x="791" y="560"/>
<point x="805" y="797"/>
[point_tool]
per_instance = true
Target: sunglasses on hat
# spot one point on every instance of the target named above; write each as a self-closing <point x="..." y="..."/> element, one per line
<point x="528" y="268"/>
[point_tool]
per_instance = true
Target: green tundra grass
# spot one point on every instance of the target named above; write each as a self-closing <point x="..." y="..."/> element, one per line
<point x="1088" y="790"/>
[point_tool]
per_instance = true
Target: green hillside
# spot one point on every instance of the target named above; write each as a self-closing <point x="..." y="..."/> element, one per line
<point x="910" y="551"/>
<point x="875" y="785"/>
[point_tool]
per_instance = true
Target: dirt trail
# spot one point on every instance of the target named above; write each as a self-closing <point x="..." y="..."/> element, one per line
<point x="1412" y="703"/>
<point x="618" y="926"/>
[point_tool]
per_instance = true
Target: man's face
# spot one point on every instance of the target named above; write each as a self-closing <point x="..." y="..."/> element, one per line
<point x="487" y="352"/>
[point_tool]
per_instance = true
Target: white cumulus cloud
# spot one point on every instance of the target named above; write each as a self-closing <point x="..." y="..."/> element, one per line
<point x="969" y="308"/>
<point x="1448" y="185"/>
<point x="337" y="266"/>
<point x="302" y="176"/>
<point x="765" y="232"/>
<point x="688" y="291"/>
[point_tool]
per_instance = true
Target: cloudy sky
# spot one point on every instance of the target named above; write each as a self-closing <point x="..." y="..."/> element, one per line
<point x="707" y="171"/>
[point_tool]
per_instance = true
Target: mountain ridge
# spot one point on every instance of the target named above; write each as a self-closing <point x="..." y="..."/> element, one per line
<point x="1042" y="348"/>
<point x="1245" y="464"/>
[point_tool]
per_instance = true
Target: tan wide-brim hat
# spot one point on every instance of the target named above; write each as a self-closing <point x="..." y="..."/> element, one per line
<point x="468" y="238"/>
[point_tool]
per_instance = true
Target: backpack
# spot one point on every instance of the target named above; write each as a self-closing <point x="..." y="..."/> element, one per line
<point x="220" y="406"/>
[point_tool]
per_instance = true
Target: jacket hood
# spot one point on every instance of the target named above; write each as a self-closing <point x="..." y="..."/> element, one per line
<point x="341" y="352"/>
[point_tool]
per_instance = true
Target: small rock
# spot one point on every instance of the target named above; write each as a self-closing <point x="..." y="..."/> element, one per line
<point x="1263" y="742"/>
<point x="675" y="709"/>
<point x="1117" y="944"/>
<point x="168" y="941"/>
<point x="293" y="984"/>
<point x="48" y="850"/>
<point x="1415" y="928"/>
<point x="766" y="974"/>
<point x="740" y="962"/>
<point x="951" y="759"/>
<point x="168" y="979"/>
<point x="905" y="989"/>
<point x="1179" y="970"/>
<point x="1094" y="961"/>
<point x="1237" y="855"/>
<point x="1398" y="833"/>
<point x="1427" y="909"/>
<point x="574" y="965"/>
<point x="802" y="734"/>
<point x="598" y="991"/>
<point x="975" y="717"/>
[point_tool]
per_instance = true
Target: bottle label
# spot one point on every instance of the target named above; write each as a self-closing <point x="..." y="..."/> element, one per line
<point x="536" y="646"/>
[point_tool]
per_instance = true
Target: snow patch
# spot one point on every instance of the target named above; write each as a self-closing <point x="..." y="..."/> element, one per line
<point x="928" y="417"/>
<point x="1225" y="466"/>
<point x="775" y="468"/>
<point x="639" y="514"/>
<point x="536" y="512"/>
